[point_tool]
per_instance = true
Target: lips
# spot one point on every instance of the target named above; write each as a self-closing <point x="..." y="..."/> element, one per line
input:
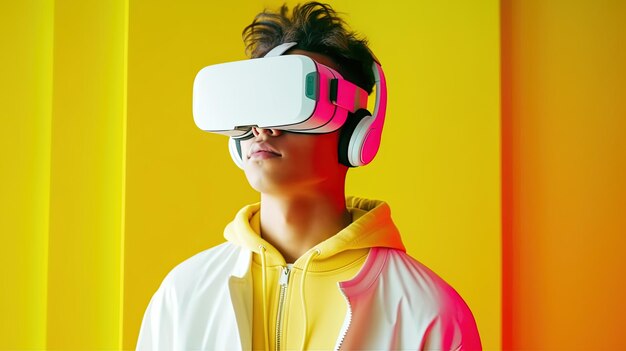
<point x="263" y="150"/>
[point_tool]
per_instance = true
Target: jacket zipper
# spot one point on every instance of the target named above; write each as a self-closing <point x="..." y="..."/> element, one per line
<point x="346" y="323"/>
<point x="283" y="281"/>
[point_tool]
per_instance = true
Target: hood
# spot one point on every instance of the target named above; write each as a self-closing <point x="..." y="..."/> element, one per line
<point x="371" y="226"/>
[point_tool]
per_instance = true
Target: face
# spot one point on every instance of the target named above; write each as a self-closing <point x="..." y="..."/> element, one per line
<point x="282" y="163"/>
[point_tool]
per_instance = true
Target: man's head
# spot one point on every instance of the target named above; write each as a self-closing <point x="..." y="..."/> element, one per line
<point x="295" y="162"/>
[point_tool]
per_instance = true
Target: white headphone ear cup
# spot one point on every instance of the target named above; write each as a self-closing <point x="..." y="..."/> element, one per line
<point x="235" y="152"/>
<point x="355" y="147"/>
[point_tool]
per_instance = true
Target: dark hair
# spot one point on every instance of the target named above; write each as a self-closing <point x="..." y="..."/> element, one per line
<point x="316" y="27"/>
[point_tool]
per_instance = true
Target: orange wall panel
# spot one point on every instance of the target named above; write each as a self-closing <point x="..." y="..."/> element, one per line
<point x="564" y="174"/>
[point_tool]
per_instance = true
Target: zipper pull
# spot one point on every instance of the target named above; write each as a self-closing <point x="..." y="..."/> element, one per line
<point x="284" y="276"/>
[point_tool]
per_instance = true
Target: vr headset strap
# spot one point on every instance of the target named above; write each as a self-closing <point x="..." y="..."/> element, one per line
<point x="347" y="95"/>
<point x="280" y="49"/>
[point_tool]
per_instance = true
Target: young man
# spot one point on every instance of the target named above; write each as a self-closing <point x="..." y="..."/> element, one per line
<point x="307" y="268"/>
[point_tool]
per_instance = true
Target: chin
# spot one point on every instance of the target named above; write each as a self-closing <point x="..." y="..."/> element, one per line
<point x="267" y="184"/>
<point x="259" y="180"/>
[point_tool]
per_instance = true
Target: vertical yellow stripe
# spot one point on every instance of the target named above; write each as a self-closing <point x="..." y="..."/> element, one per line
<point x="87" y="176"/>
<point x="25" y="110"/>
<point x="123" y="175"/>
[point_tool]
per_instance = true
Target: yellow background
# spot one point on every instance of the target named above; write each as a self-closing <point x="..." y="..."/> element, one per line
<point x="109" y="184"/>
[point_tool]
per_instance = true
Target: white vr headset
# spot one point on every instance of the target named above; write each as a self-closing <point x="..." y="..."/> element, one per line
<point x="292" y="93"/>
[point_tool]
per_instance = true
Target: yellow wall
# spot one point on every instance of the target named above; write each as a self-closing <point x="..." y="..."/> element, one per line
<point x="25" y="115"/>
<point x="564" y="113"/>
<point x="87" y="175"/>
<point x="63" y="118"/>
<point x="438" y="166"/>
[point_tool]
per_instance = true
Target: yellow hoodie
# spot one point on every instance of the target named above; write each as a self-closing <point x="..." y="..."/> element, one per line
<point x="300" y="306"/>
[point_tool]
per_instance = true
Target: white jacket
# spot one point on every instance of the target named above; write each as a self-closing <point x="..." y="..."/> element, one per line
<point x="394" y="303"/>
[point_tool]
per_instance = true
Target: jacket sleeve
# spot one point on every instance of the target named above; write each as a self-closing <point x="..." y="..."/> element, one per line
<point x="158" y="327"/>
<point x="454" y="332"/>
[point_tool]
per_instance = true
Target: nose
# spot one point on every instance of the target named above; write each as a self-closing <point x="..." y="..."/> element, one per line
<point x="267" y="131"/>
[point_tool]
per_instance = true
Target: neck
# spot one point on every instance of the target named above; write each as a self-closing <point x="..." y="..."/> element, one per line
<point x="297" y="222"/>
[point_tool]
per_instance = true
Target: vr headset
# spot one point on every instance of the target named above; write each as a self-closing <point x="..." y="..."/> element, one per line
<point x="292" y="93"/>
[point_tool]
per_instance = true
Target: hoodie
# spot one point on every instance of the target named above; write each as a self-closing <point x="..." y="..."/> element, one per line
<point x="299" y="305"/>
<point x="239" y="295"/>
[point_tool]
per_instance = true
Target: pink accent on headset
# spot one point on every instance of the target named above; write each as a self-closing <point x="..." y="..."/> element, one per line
<point x="371" y="142"/>
<point x="335" y="117"/>
<point x="350" y="96"/>
<point x="330" y="115"/>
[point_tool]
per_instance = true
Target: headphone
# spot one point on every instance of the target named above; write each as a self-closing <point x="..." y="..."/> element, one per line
<point x="360" y="136"/>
